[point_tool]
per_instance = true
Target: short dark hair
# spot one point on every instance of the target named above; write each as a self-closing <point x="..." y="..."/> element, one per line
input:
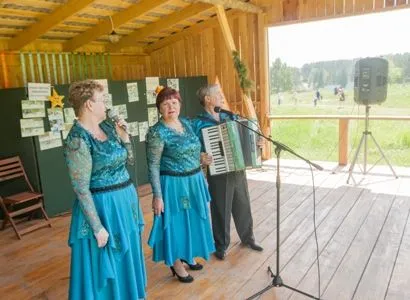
<point x="81" y="91"/>
<point x="167" y="93"/>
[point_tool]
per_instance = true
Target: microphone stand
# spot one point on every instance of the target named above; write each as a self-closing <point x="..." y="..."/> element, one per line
<point x="277" y="280"/>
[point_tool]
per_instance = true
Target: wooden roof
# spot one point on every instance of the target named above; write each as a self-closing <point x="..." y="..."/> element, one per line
<point x="82" y="25"/>
<point x="78" y="23"/>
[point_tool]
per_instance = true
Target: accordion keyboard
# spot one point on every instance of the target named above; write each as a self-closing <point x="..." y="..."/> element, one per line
<point x="217" y="144"/>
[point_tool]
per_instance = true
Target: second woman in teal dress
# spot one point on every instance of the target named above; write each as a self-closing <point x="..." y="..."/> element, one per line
<point x="181" y="229"/>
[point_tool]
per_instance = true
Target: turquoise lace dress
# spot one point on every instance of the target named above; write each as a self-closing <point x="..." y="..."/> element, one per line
<point x="184" y="229"/>
<point x="106" y="199"/>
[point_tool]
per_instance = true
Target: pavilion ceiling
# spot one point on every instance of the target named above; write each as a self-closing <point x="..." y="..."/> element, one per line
<point x="146" y="25"/>
<point x="78" y="23"/>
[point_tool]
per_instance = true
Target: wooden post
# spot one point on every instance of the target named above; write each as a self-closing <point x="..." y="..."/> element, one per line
<point x="4" y="70"/>
<point x="262" y="87"/>
<point x="343" y="141"/>
<point x="227" y="34"/>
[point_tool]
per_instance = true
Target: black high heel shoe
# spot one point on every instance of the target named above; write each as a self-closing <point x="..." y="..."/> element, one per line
<point x="195" y="267"/>
<point x="186" y="279"/>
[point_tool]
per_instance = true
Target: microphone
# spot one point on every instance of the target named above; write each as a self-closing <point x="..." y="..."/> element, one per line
<point x="218" y="109"/>
<point x="116" y="118"/>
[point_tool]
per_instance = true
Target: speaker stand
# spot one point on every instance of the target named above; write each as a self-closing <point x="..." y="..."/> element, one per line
<point x="363" y="141"/>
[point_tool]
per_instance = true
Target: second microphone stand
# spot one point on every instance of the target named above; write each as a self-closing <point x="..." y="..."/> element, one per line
<point x="277" y="280"/>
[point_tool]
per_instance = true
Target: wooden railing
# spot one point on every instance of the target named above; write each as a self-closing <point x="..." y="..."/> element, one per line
<point x="343" y="127"/>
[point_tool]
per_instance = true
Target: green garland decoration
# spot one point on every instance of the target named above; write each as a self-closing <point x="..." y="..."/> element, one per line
<point x="245" y="83"/>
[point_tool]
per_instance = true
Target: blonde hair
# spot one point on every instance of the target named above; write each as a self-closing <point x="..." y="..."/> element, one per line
<point x="82" y="91"/>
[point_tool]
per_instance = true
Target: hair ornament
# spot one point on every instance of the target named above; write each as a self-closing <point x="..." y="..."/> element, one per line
<point x="159" y="89"/>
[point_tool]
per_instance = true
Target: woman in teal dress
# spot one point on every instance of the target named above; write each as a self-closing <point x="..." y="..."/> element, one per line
<point x="107" y="260"/>
<point x="181" y="230"/>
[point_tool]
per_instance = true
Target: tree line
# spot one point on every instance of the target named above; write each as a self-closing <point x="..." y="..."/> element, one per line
<point x="336" y="73"/>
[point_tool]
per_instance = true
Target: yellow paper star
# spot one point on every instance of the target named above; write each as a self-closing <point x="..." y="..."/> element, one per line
<point x="56" y="99"/>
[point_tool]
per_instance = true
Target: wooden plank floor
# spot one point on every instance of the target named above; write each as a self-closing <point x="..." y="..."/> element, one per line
<point x="363" y="234"/>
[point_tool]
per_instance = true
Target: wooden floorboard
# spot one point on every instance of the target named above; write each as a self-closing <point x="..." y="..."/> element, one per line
<point x="363" y="232"/>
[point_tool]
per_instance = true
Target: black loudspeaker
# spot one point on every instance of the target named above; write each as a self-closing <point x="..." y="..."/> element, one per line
<point x="370" y="80"/>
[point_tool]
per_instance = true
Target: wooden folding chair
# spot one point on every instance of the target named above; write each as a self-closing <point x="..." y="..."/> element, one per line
<point x="27" y="201"/>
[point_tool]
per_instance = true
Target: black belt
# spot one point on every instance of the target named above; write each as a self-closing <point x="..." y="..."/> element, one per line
<point x="180" y="174"/>
<point x="110" y="188"/>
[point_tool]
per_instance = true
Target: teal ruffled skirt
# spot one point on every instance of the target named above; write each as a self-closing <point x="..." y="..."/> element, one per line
<point x="183" y="231"/>
<point x="116" y="271"/>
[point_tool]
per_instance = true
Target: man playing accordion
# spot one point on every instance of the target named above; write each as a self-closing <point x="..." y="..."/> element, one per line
<point x="229" y="191"/>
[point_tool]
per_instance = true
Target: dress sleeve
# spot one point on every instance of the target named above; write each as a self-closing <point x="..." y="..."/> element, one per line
<point x="130" y="152"/>
<point x="195" y="125"/>
<point x="155" y="147"/>
<point x="79" y="162"/>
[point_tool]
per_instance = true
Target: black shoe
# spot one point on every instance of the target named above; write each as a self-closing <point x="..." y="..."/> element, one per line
<point x="254" y="246"/>
<point x="220" y="254"/>
<point x="186" y="279"/>
<point x="195" y="267"/>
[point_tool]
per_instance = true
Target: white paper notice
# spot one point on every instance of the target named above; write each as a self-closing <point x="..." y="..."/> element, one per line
<point x="143" y="129"/>
<point x="132" y="88"/>
<point x="69" y="115"/>
<point x="108" y="101"/>
<point x="39" y="91"/>
<point x="56" y="119"/>
<point x="173" y="83"/>
<point x="133" y="128"/>
<point x="33" y="109"/>
<point x="66" y="130"/>
<point x="151" y="84"/>
<point x="152" y="116"/>
<point x="50" y="140"/>
<point x="151" y="97"/>
<point x="31" y="127"/>
<point x="121" y="111"/>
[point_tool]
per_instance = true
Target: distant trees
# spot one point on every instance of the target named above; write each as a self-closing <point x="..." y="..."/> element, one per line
<point x="281" y="77"/>
<point x="399" y="68"/>
<point x="330" y="73"/>
<point x="342" y="78"/>
<point x="321" y="74"/>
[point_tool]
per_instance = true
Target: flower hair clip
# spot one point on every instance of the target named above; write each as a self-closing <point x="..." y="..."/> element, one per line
<point x="159" y="89"/>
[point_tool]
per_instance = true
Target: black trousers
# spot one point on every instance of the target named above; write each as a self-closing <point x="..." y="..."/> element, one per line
<point x="230" y="195"/>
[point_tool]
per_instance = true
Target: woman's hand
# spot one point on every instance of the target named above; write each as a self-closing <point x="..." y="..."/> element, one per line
<point x="102" y="237"/>
<point x="157" y="206"/>
<point x="119" y="127"/>
<point x="206" y="159"/>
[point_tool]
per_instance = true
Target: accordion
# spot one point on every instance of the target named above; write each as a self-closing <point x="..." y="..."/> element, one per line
<point x="232" y="146"/>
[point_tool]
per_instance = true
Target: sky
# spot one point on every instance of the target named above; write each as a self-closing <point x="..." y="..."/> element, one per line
<point x="342" y="38"/>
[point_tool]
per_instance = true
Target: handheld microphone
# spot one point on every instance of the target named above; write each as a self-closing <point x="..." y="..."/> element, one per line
<point x="116" y="118"/>
<point x="218" y="109"/>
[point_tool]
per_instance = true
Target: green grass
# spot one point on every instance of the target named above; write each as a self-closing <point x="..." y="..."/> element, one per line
<point x="318" y="139"/>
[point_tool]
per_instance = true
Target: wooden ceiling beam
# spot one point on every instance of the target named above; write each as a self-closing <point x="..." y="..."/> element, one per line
<point x="118" y="19"/>
<point x="234" y="4"/>
<point x="46" y="23"/>
<point x="166" y="22"/>
<point x="210" y="23"/>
